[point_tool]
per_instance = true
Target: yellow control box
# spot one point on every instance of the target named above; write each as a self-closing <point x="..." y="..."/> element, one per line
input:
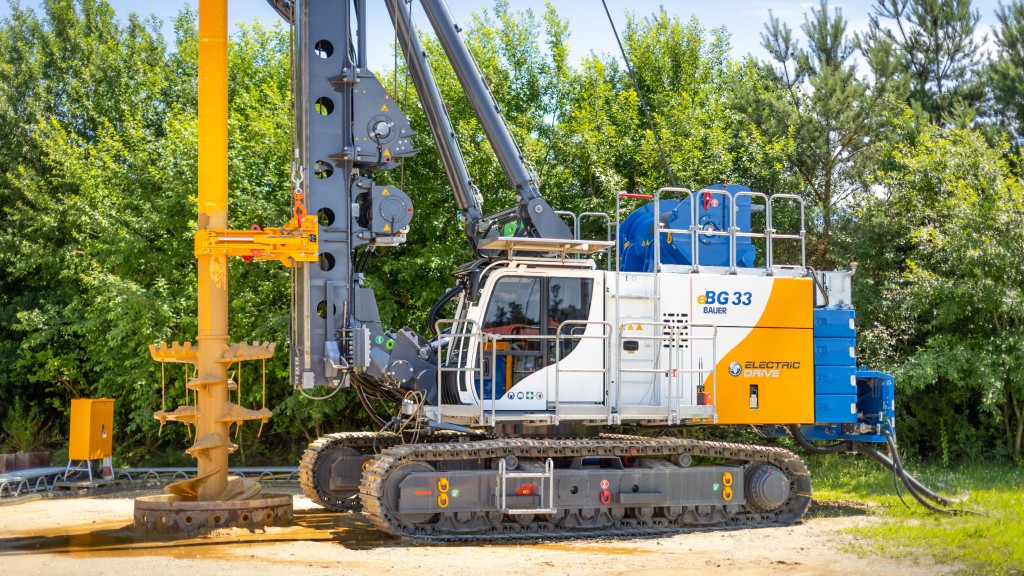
<point x="92" y="428"/>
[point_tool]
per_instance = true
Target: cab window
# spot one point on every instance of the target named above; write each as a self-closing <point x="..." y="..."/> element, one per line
<point x="515" y="311"/>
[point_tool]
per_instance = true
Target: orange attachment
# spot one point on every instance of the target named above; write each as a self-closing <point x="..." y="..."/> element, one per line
<point x="291" y="244"/>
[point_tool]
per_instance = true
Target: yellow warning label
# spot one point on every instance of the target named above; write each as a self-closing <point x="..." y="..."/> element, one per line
<point x="639" y="327"/>
<point x="387" y="152"/>
<point x="384" y="108"/>
<point x="385" y="192"/>
<point x="387" y="227"/>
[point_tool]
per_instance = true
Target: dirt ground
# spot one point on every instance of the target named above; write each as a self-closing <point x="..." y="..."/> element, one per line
<point x="93" y="536"/>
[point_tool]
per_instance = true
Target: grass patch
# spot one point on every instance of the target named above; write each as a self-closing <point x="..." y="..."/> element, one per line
<point x="990" y="544"/>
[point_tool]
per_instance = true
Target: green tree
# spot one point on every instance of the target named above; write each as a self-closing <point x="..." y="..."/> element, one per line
<point x="81" y="100"/>
<point x="834" y="119"/>
<point x="96" y="239"/>
<point x="943" y="292"/>
<point x="931" y="44"/>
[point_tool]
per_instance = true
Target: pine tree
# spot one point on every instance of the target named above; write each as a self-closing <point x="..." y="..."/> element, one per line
<point x="931" y="47"/>
<point x="835" y="117"/>
<point x="1005" y="76"/>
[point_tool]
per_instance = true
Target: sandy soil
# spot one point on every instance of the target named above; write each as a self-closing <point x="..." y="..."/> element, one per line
<point x="92" y="536"/>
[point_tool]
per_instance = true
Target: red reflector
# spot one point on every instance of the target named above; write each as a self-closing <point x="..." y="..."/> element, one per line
<point x="526" y="489"/>
<point x="707" y="200"/>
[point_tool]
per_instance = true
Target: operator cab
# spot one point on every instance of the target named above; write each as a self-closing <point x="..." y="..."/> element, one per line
<point x="533" y="318"/>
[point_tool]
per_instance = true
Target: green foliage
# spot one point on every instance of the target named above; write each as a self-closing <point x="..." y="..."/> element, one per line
<point x="946" y="301"/>
<point x="25" y="429"/>
<point x="834" y="119"/>
<point x="1005" y="74"/>
<point x="96" y="239"/>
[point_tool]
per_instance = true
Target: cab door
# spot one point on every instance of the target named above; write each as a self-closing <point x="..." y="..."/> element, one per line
<point x="537" y="322"/>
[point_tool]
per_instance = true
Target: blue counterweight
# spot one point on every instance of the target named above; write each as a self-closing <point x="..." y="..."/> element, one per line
<point x="713" y="213"/>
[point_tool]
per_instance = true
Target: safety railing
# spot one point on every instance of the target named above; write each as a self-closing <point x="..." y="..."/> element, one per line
<point x="772" y="234"/>
<point x="605" y="336"/>
<point x="469" y="349"/>
<point x="460" y="345"/>
<point x="38" y="480"/>
<point x="577" y="225"/>
<point x="675" y="338"/>
<point x="749" y="234"/>
<point x="695" y="232"/>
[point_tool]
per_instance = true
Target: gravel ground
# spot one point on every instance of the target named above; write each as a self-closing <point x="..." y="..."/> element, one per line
<point x="93" y="536"/>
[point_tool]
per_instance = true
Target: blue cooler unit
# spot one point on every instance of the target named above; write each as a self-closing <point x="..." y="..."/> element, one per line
<point x="835" y="367"/>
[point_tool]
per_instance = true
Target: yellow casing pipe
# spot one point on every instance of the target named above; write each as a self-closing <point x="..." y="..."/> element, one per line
<point x="213" y="269"/>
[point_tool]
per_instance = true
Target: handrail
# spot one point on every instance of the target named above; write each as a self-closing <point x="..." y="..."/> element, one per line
<point x="608" y="231"/>
<point x="502" y="488"/>
<point x="731" y="223"/>
<point x="770" y="226"/>
<point x="605" y="335"/>
<point x="676" y="365"/>
<point x="731" y="230"/>
<point x="442" y="369"/>
<point x="657" y="222"/>
<point x="751" y="234"/>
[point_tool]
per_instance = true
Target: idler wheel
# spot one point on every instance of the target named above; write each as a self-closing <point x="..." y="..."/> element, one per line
<point x="319" y="478"/>
<point x="766" y="486"/>
<point x="392" y="492"/>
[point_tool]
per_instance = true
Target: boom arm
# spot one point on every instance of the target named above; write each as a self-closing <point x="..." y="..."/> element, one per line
<point x="534" y="211"/>
<point x="467" y="197"/>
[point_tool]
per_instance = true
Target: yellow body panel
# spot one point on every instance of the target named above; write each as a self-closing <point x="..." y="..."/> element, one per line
<point x="92" y="428"/>
<point x="791" y="304"/>
<point x="776" y="356"/>
<point x="780" y="362"/>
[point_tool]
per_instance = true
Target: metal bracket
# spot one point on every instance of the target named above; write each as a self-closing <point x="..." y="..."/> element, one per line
<point x="291" y="244"/>
<point x="174" y="352"/>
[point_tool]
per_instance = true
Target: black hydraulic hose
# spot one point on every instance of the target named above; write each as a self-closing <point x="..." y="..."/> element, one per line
<point x="919" y="491"/>
<point x="908" y="479"/>
<point x="361" y="394"/>
<point x="802" y="441"/>
<point x="817" y="283"/>
<point x="910" y="487"/>
<point x="432" y="314"/>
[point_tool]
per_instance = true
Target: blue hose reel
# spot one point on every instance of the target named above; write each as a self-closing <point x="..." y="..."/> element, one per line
<point x="636" y="233"/>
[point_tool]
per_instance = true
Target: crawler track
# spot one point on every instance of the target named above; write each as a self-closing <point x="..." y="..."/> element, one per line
<point x="314" y="467"/>
<point x="492" y="525"/>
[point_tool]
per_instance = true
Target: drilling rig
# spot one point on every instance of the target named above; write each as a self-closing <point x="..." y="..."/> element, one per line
<point x="501" y="416"/>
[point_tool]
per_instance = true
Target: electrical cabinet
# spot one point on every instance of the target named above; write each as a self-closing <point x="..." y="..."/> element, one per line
<point x="92" y="433"/>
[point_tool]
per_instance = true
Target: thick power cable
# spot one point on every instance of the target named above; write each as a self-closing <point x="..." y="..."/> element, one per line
<point x="643" y="103"/>
<point x="919" y="491"/>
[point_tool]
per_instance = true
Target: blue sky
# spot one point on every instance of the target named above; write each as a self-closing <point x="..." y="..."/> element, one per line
<point x="588" y="24"/>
